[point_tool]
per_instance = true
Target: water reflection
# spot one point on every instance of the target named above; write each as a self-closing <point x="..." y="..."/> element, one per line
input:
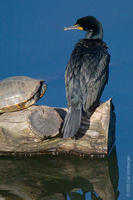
<point x="59" y="178"/>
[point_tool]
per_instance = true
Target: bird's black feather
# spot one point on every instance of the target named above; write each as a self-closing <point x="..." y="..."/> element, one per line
<point x="85" y="78"/>
<point x="87" y="73"/>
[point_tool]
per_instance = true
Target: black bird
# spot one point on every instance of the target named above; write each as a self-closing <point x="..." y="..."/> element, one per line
<point x="86" y="74"/>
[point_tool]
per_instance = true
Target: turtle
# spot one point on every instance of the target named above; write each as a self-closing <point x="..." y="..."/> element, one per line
<point x="20" y="92"/>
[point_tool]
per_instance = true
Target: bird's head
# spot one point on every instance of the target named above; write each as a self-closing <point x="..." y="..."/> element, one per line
<point x="89" y="24"/>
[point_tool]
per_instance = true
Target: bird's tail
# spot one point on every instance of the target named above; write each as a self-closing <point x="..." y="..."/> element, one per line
<point x="72" y="122"/>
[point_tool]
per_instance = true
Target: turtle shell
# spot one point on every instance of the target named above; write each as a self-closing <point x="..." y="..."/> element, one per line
<point x="20" y="92"/>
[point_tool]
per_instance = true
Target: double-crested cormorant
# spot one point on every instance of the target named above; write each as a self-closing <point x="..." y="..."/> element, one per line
<point x="86" y="74"/>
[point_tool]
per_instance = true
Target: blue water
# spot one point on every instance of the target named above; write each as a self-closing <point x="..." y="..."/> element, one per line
<point x="59" y="177"/>
<point x="33" y="43"/>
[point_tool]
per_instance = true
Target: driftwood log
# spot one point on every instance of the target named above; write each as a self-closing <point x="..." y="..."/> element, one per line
<point x="19" y="132"/>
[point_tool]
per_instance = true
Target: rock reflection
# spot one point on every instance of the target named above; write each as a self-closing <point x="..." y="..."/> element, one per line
<point x="59" y="178"/>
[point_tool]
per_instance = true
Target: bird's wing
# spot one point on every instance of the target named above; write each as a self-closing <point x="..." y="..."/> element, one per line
<point x="72" y="82"/>
<point x="93" y="76"/>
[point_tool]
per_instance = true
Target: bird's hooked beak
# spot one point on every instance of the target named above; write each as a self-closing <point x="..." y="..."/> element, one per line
<point x="76" y="26"/>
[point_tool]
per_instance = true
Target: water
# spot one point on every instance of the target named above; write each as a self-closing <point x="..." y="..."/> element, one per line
<point x="33" y="43"/>
<point x="61" y="178"/>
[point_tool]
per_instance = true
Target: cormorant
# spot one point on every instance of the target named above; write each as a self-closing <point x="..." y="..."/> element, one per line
<point x="86" y="74"/>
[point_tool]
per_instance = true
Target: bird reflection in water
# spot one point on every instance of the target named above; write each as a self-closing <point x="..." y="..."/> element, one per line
<point x="102" y="181"/>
